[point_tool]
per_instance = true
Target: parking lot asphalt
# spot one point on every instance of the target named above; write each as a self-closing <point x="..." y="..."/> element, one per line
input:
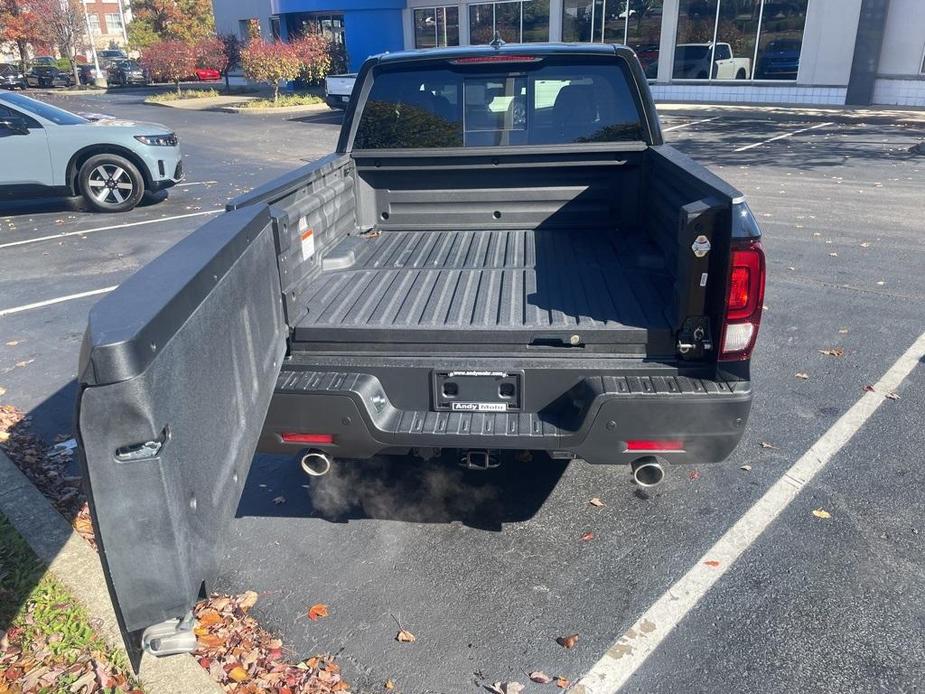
<point x="487" y="570"/>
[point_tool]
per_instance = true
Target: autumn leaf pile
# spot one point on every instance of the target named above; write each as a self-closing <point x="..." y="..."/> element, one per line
<point x="243" y="657"/>
<point x="47" y="468"/>
<point x="31" y="665"/>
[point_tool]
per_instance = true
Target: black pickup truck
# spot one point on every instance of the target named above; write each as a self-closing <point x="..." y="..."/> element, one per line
<point x="501" y="255"/>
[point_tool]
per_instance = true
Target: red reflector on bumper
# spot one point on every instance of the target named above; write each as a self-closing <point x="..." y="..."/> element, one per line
<point x="655" y="445"/>
<point x="293" y="437"/>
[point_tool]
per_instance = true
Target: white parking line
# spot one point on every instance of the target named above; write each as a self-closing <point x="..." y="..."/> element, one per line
<point x="52" y="237"/>
<point x="50" y="302"/>
<point x="630" y="651"/>
<point x="684" y="125"/>
<point x="781" y="137"/>
<point x="195" y="183"/>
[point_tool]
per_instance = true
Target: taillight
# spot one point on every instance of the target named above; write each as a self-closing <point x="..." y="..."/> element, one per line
<point x="655" y="445"/>
<point x="299" y="437"/>
<point x="744" y="300"/>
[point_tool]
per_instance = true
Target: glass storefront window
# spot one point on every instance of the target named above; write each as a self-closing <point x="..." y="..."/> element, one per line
<point x="517" y="22"/>
<point x="636" y="23"/>
<point x="739" y="39"/>
<point x="780" y="40"/>
<point x="436" y="27"/>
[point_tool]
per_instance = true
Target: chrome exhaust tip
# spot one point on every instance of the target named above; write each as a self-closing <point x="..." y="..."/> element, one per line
<point x="316" y="463"/>
<point x="647" y="471"/>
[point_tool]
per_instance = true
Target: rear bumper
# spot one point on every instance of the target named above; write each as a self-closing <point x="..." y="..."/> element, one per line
<point x="336" y="100"/>
<point x="601" y="415"/>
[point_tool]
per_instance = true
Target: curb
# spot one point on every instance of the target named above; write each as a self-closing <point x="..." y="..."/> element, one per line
<point x="307" y="108"/>
<point x="77" y="566"/>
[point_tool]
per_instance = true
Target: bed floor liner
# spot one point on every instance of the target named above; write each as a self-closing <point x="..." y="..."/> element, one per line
<point x="505" y="286"/>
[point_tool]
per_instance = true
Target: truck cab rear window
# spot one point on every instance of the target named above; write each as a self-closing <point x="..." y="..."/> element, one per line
<point x="544" y="103"/>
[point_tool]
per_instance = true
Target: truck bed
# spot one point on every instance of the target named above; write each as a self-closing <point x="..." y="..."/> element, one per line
<point x="534" y="287"/>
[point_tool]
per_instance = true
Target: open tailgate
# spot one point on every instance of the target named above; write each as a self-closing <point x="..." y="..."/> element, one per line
<point x="177" y="370"/>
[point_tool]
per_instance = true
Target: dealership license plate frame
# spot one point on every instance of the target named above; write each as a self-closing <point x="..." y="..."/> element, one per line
<point x="478" y="391"/>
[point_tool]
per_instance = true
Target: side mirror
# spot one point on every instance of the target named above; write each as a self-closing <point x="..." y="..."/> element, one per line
<point x="14" y="125"/>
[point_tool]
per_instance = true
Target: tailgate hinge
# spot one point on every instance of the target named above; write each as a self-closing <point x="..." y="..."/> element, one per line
<point x="170" y="637"/>
<point x="694" y="338"/>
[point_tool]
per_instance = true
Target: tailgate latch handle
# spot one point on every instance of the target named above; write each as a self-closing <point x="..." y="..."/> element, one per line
<point x="143" y="450"/>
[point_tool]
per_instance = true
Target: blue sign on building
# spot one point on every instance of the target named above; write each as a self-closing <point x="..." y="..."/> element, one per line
<point x="363" y="27"/>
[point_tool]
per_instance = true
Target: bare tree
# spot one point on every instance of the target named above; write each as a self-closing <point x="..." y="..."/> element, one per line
<point x="66" y="24"/>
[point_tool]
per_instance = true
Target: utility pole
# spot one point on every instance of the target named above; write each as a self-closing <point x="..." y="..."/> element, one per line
<point x="122" y="18"/>
<point x="98" y="80"/>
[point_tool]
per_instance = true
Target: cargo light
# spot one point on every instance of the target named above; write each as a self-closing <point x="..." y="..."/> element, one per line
<point x="296" y="437"/>
<point x="655" y="445"/>
<point x="744" y="301"/>
<point x="469" y="60"/>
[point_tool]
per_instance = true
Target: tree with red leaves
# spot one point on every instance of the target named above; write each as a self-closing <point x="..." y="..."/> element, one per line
<point x="20" y="26"/>
<point x="316" y="55"/>
<point x="270" y="63"/>
<point x="170" y="61"/>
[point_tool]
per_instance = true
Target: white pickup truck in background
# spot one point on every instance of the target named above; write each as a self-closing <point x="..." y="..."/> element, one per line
<point x="692" y="61"/>
<point x="337" y="89"/>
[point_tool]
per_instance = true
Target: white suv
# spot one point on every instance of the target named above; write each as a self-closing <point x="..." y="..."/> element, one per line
<point x="47" y="151"/>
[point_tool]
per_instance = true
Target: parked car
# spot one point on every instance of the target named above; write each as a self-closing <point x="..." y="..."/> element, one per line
<point x="472" y="273"/>
<point x="88" y="73"/>
<point x="111" y="54"/>
<point x="780" y="60"/>
<point x="124" y="73"/>
<point x="207" y="74"/>
<point x="45" y="73"/>
<point x="47" y="151"/>
<point x="337" y="89"/>
<point x="11" y="76"/>
<point x="692" y="61"/>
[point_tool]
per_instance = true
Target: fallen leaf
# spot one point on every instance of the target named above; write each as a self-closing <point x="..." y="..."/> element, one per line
<point x="540" y="677"/>
<point x="594" y="502"/>
<point x="567" y="641"/>
<point x="765" y="444"/>
<point x="405" y="636"/>
<point x="248" y="600"/>
<point x="279" y="500"/>
<point x="562" y="683"/>
<point x="24" y="363"/>
<point x="4" y="436"/>
<point x="209" y="617"/>
<point x="2" y="390"/>
<point x="843" y="331"/>
<point x="238" y="674"/>
<point x="694" y="475"/>
<point x="833" y="254"/>
<point x="802" y="376"/>
<point x="712" y="563"/>
<point x="389" y="684"/>
<point x="833" y="352"/>
<point x="587" y="537"/>
<point x="210" y="641"/>
<point x="317" y="611"/>
<point x="892" y="396"/>
<point x="821" y="513"/>
<point x="865" y="244"/>
<point x="371" y="234"/>
<point x="12" y="343"/>
<point x="747" y="468"/>
<point x="869" y="388"/>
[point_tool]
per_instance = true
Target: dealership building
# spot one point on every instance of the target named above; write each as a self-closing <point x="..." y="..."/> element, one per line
<point x="824" y="52"/>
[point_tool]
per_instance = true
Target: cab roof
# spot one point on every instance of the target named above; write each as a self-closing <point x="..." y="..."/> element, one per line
<point x="537" y="49"/>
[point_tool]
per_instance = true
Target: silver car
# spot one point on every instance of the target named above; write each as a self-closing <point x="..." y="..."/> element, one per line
<point x="47" y="151"/>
